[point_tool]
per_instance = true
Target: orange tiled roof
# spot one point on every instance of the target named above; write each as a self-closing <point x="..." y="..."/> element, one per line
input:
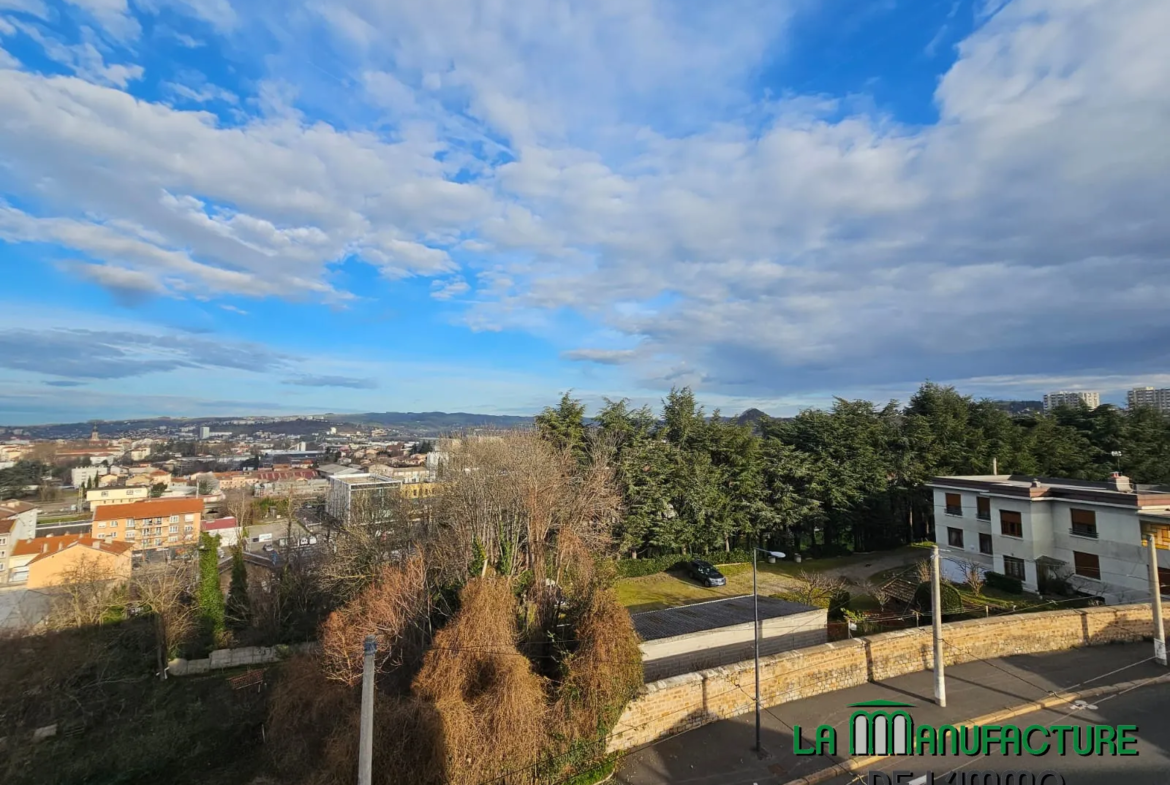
<point x="55" y="545"/>
<point x="154" y="508"/>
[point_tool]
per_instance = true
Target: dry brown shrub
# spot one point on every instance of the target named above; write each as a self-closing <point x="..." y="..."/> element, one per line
<point x="304" y="707"/>
<point x="395" y="608"/>
<point x="491" y="705"/>
<point x="604" y="672"/>
<point x="408" y="744"/>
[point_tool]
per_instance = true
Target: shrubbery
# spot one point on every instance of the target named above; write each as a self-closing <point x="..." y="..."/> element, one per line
<point x="952" y="600"/>
<point x="997" y="580"/>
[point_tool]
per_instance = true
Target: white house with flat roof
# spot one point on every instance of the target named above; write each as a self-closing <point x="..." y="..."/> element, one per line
<point x="1016" y="525"/>
<point x="362" y="497"/>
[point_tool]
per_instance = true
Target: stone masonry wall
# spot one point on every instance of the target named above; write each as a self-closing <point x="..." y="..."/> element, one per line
<point x="688" y="701"/>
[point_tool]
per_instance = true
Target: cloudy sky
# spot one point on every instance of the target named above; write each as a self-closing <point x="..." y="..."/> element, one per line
<point x="218" y="206"/>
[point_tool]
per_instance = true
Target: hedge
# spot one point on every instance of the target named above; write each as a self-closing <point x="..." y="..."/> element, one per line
<point x="997" y="580"/>
<point x="952" y="600"/>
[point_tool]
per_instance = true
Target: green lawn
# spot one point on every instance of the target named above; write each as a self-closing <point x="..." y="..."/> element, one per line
<point x="666" y="590"/>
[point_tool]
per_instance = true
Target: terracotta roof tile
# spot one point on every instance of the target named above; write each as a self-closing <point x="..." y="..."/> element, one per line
<point x="154" y="508"/>
<point x="55" y="545"/>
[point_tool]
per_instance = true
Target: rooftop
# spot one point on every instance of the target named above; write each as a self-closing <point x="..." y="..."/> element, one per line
<point x="1118" y="490"/>
<point x="44" y="547"/>
<point x="155" y="508"/>
<point x="703" y="616"/>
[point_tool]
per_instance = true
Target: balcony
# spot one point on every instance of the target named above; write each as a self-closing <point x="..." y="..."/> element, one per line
<point x="983" y="516"/>
<point x="1084" y="531"/>
<point x="955" y="511"/>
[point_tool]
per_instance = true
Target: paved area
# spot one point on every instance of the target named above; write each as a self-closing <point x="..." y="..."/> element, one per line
<point x="722" y="753"/>
<point x="1144" y="707"/>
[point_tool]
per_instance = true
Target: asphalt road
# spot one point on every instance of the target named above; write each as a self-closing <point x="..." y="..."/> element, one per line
<point x="1145" y="707"/>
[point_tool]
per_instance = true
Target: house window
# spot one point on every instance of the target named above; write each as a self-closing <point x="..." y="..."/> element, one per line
<point x="131" y="534"/>
<point x="1010" y="524"/>
<point x="1014" y="567"/>
<point x="1087" y="565"/>
<point x="189" y="527"/>
<point x="983" y="508"/>
<point x="4" y="540"/>
<point x="189" y="517"/>
<point x="129" y="523"/>
<point x="174" y="529"/>
<point x="954" y="537"/>
<point x="1084" y="523"/>
<point x="1164" y="580"/>
<point x="174" y="519"/>
<point x="101" y="524"/>
<point x="985" y="544"/>
<point x="954" y="504"/>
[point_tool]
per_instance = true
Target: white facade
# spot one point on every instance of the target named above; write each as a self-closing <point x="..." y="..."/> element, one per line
<point x="1107" y="558"/>
<point x="85" y="474"/>
<point x="1149" y="396"/>
<point x="352" y="492"/>
<point x="1089" y="398"/>
<point x="106" y="496"/>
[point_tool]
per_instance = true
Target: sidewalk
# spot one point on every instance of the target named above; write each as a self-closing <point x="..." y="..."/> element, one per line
<point x="722" y="754"/>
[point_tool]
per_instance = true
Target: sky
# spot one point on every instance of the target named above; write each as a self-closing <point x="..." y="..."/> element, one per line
<point x="216" y="207"/>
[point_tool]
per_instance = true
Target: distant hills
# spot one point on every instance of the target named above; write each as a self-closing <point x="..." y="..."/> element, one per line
<point x="436" y="422"/>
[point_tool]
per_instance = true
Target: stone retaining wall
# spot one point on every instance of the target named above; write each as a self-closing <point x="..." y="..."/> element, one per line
<point x="681" y="703"/>
<point x="221" y="659"/>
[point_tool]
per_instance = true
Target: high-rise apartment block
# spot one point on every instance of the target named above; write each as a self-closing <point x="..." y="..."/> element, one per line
<point x="1149" y="396"/>
<point x="1067" y="398"/>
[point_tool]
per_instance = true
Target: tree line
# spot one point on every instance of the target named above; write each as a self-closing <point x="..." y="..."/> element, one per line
<point x="848" y="478"/>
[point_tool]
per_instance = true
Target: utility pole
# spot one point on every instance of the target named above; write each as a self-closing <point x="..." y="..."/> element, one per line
<point x="366" y="741"/>
<point x="1156" y="593"/>
<point x="936" y="611"/>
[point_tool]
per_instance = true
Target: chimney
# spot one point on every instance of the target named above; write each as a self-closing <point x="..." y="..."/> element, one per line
<point x="44" y="547"/>
<point x="1119" y="482"/>
<point x="1035" y="482"/>
<point x="97" y="545"/>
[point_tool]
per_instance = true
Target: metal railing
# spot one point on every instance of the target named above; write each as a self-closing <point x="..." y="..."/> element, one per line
<point x="1083" y="531"/>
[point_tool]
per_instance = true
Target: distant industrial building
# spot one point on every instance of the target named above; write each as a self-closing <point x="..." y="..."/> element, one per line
<point x="1089" y="398"/>
<point x="1149" y="396"/>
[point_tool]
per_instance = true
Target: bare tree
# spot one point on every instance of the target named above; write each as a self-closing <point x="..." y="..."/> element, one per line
<point x="817" y="588"/>
<point x="238" y="502"/>
<point x="86" y="592"/>
<point x="164" y="592"/>
<point x="973" y="576"/>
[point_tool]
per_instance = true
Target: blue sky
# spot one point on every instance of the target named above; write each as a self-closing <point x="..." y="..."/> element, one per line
<point x="209" y="206"/>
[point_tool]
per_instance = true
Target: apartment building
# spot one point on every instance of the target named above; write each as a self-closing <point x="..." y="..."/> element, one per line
<point x="1030" y="528"/>
<point x="1149" y="396"/>
<point x="49" y="561"/>
<point x="106" y="496"/>
<point x="1089" y="398"/>
<point x="159" y="523"/>
<point x="18" y="521"/>
<point x="363" y="497"/>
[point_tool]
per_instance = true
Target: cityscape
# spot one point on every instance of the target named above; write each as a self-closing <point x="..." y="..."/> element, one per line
<point x="562" y="392"/>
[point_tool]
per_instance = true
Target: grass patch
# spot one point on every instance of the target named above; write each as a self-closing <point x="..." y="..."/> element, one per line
<point x="599" y="773"/>
<point x="671" y="589"/>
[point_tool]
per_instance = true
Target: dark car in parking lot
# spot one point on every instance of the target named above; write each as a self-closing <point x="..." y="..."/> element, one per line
<point x="705" y="573"/>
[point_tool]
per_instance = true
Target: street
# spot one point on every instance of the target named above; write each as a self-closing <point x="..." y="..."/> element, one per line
<point x="1144" y="707"/>
<point x="722" y="753"/>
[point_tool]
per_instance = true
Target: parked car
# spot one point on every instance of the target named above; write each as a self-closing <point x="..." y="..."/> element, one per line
<point x="705" y="573"/>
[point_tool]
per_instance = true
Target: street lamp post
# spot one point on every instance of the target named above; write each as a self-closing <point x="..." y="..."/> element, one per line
<point x="756" y="608"/>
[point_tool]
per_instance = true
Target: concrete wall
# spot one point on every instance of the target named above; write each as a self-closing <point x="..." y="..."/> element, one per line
<point x="698" y="651"/>
<point x="688" y="701"/>
<point x="234" y="658"/>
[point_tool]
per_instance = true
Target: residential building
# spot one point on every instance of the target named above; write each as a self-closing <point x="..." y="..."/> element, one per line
<point x="159" y="523"/>
<point x="107" y="496"/>
<point x="83" y="475"/>
<point x="227" y="529"/>
<point x="1072" y="398"/>
<point x="364" y="497"/>
<point x="49" y="561"/>
<point x="1149" y="396"/>
<point x="709" y="634"/>
<point x="204" y="432"/>
<point x="149" y="479"/>
<point x="1036" y="529"/>
<point x="18" y="521"/>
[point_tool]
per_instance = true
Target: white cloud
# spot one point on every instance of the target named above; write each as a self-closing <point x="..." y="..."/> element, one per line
<point x="31" y="7"/>
<point x="113" y="15"/>
<point x="445" y="290"/>
<point x="601" y="356"/>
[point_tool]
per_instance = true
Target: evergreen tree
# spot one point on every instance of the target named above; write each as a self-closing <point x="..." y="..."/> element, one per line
<point x="210" y="597"/>
<point x="239" y="607"/>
